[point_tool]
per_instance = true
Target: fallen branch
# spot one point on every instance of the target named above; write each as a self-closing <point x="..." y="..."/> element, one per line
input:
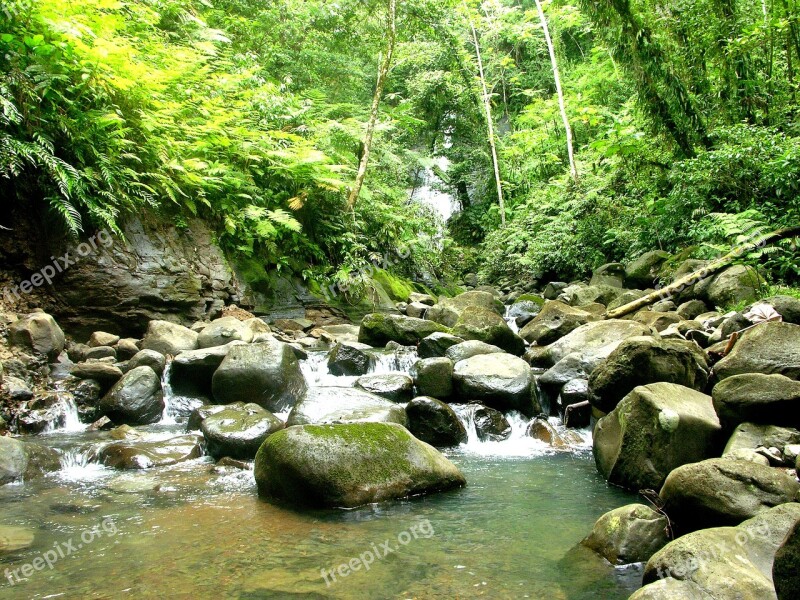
<point x="714" y="267"/>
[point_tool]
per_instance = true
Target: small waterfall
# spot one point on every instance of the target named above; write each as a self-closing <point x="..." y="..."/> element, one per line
<point x="168" y="416"/>
<point x="398" y="360"/>
<point x="76" y="465"/>
<point x="512" y="321"/>
<point x="68" y="420"/>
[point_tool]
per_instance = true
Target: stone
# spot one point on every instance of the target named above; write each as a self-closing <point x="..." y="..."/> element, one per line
<point x="39" y="333"/>
<point x="734" y="285"/>
<point x="16" y="389"/>
<point x="470" y="348"/>
<point x="656" y="320"/>
<point x="397" y="387"/>
<point x="612" y="274"/>
<point x="630" y="534"/>
<point x="140" y="455"/>
<point x="757" y="398"/>
<point x="645" y="271"/>
<point x="378" y="329"/>
<point x="490" y="424"/>
<point x="436" y="345"/>
<point x="786" y="567"/>
<point x="435" y="423"/>
<point x="786" y="306"/>
<point x="349" y="359"/>
<point x="626" y="298"/>
<point x="136" y="399"/>
<point x="149" y="358"/>
<point x="169" y="338"/>
<point x="14" y="539"/>
<point x="201" y="413"/>
<point x="643" y="360"/>
<point x="417" y="310"/>
<point x="127" y="348"/>
<point x="555" y="320"/>
<point x="599" y="294"/>
<point x="769" y="348"/>
<point x="499" y="381"/>
<point x="595" y="341"/>
<point x="448" y="310"/>
<point x="103" y="373"/>
<point x="553" y="290"/>
<point x="692" y="309"/>
<point x="224" y="331"/>
<point x="350" y="465"/>
<point x="238" y="431"/>
<point x="330" y="405"/>
<point x="426" y="299"/>
<point x="100" y="352"/>
<point x="752" y="436"/>
<point x="652" y="431"/>
<point x="486" y="326"/>
<point x="541" y="429"/>
<point x="267" y="374"/>
<point x="433" y="377"/>
<point x="25" y="461"/>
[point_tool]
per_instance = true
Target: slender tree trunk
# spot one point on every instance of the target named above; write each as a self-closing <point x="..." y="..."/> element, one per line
<point x="383" y="73"/>
<point x="487" y="104"/>
<point x="561" y="103"/>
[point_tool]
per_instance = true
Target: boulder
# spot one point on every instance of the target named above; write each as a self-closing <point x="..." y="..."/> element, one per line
<point x="626" y="298"/>
<point x="17" y="389"/>
<point x="201" y="413"/>
<point x="786" y="567"/>
<point x="734" y="285"/>
<point x="103" y="373"/>
<point x="769" y="348"/>
<point x="644" y="271"/>
<point x="786" y="306"/>
<point x="148" y="358"/>
<point x="435" y="423"/>
<point x="417" y="310"/>
<point x="643" y="360"/>
<point x="570" y="367"/>
<point x="397" y="387"/>
<point x="469" y="349"/>
<point x="39" y="333"/>
<point x="136" y="454"/>
<point x="436" y="345"/>
<point x="197" y="367"/>
<point x="654" y="430"/>
<point x="722" y="491"/>
<point x="322" y="406"/>
<point x="553" y="289"/>
<point x="101" y="338"/>
<point x="490" y="424"/>
<point x="612" y="274"/>
<point x="757" y="398"/>
<point x="238" y="431"/>
<point x="500" y="381"/>
<point x="555" y="320"/>
<point x="136" y="399"/>
<point x="657" y="320"/>
<point x="425" y="299"/>
<point x="379" y="329"/>
<point x="525" y="310"/>
<point x="23" y="461"/>
<point x="350" y="465"/>
<point x="448" y="310"/>
<point x="749" y="436"/>
<point x="722" y="563"/>
<point x="486" y="326"/>
<point x="169" y="338"/>
<point x="541" y="429"/>
<point x="595" y="294"/>
<point x="692" y="309"/>
<point x="127" y="348"/>
<point x="595" y="341"/>
<point x="99" y="353"/>
<point x="629" y="534"/>
<point x="224" y="331"/>
<point x="350" y="359"/>
<point x="433" y="377"/>
<point x="266" y="374"/>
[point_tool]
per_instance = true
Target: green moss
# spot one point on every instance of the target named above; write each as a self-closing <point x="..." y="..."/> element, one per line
<point x="397" y="288"/>
<point x="531" y="298"/>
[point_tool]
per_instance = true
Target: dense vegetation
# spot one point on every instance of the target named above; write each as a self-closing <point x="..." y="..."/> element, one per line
<point x="252" y="116"/>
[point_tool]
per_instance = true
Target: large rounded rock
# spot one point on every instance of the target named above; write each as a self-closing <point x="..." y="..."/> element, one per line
<point x="136" y="399"/>
<point x="239" y="431"/>
<point x="469" y="349"/>
<point x="397" y="387"/>
<point x="433" y="377"/>
<point x="436" y="345"/>
<point x="722" y="491"/>
<point x="435" y="423"/>
<point x="596" y="294"/>
<point x="770" y="348"/>
<point x="786" y="568"/>
<point x="735" y="285"/>
<point x="655" y="429"/>
<point x="643" y="360"/>
<point x="629" y="534"/>
<point x="595" y="341"/>
<point x="349" y="359"/>
<point x="103" y="373"/>
<point x="786" y="306"/>
<point x="750" y="436"/>
<point x="448" y="310"/>
<point x="23" y="461"/>
<point x="224" y="331"/>
<point x="193" y="371"/>
<point x="612" y="274"/>
<point x="344" y="405"/>
<point x="266" y="374"/>
<point x="379" y="329"/>
<point x="148" y="358"/>
<point x="350" y="465"/>
<point x="135" y="454"/>
<point x="39" y="333"/>
<point x="486" y="326"/>
<point x="500" y="381"/>
<point x="722" y="563"/>
<point x="555" y="320"/>
<point x="169" y="338"/>
<point x="757" y="398"/>
<point x="644" y="271"/>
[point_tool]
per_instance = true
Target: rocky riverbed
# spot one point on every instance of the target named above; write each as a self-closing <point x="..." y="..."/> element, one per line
<point x="679" y="419"/>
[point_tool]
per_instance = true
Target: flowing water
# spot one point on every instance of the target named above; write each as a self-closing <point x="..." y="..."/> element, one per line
<point x="195" y="530"/>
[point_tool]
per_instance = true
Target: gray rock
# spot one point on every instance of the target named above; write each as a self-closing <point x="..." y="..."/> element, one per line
<point x="555" y="320"/>
<point x="322" y="406"/>
<point x="629" y="534"/>
<point x="101" y="338"/>
<point x="169" y="338"/>
<point x="136" y="399"/>
<point x="39" y="333"/>
<point x="470" y="348"/>
<point x="645" y="270"/>
<point x="734" y="285"/>
<point x="16" y="389"/>
<point x="103" y="373"/>
<point x="600" y="294"/>
<point x="692" y="309"/>
<point x="757" y="398"/>
<point x="148" y="358"/>
<point x="397" y="387"/>
<point x="553" y="290"/>
<point x="127" y="348"/>
<point x="612" y="274"/>
<point x="486" y="326"/>
<point x="201" y="413"/>
<point x="224" y="331"/>
<point x="499" y="381"/>
<point x="655" y="429"/>
<point x="425" y="299"/>
<point x="770" y="348"/>
<point x="379" y="329"/>
<point x="349" y="359"/>
<point x="100" y="352"/>
<point x="595" y="341"/>
<point x="490" y="424"/>
<point x="417" y="310"/>
<point x="238" y="431"/>
<point x="433" y="377"/>
<point x="435" y="423"/>
<point x="448" y="310"/>
<point x="24" y="461"/>
<point x="751" y="436"/>
<point x="786" y="306"/>
<point x="626" y="298"/>
<point x="145" y="454"/>
<point x="436" y="345"/>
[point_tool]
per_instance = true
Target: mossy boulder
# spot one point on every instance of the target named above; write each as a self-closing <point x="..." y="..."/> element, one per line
<point x="344" y="405"/>
<point x="770" y="348"/>
<point x="629" y="534"/>
<point x="238" y="431"/>
<point x="553" y="322"/>
<point x="350" y="465"/>
<point x="23" y="461"/>
<point x="448" y="310"/>
<point x="378" y="329"/>
<point x="757" y="398"/>
<point x="486" y="326"/>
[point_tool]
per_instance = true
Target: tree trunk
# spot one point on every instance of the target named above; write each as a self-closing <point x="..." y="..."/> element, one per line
<point x="693" y="278"/>
<point x="561" y="103"/>
<point x="487" y="104"/>
<point x="383" y="73"/>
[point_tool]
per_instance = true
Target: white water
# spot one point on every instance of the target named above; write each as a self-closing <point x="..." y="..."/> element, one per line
<point x="429" y="193"/>
<point x="68" y="420"/>
<point x="512" y="321"/>
<point x="167" y="417"/>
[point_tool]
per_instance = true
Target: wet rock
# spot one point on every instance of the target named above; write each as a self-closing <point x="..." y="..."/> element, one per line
<point x="24" y="461"/>
<point x="267" y="374"/>
<point x="39" y="333"/>
<point x="100" y="352"/>
<point x="238" y="431"/>
<point x="201" y="413"/>
<point x="224" y="331"/>
<point x="350" y="465"/>
<point x="721" y="491"/>
<point x="193" y="371"/>
<point x="629" y="534"/>
<point x="770" y="349"/>
<point x="490" y="424"/>
<point x="643" y="360"/>
<point x="486" y="326"/>
<point x="645" y="270"/>
<point x="435" y="423"/>
<point x="436" y="344"/>
<point x="612" y="274"/>
<point x="136" y="399"/>
<point x="433" y="377"/>
<point x="16" y="389"/>
<point x="570" y="367"/>
<point x="136" y="455"/>
<point x="101" y="338"/>
<point x="654" y="430"/>
<point x="378" y="329"/>
<point x="102" y="424"/>
<point x="500" y="381"/>
<point x="14" y="539"/>
<point x="448" y="310"/>
<point x="555" y="320"/>
<point x="757" y="398"/>
<point x="396" y="387"/>
<point x="541" y="429"/>
<point x="148" y="358"/>
<point x="595" y="341"/>
<point x="344" y="405"/>
<point x="470" y="348"/>
<point x="350" y="359"/>
<point x="342" y="333"/>
<point x="169" y="339"/>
